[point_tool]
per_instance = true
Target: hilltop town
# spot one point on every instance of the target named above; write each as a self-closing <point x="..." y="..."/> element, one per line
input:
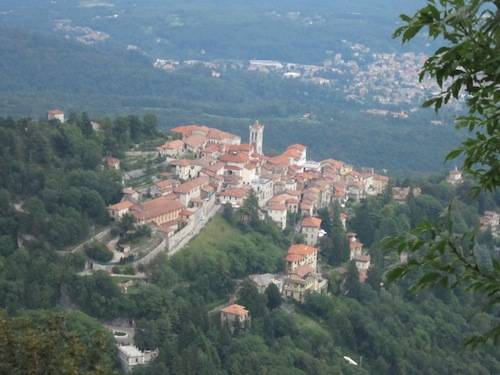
<point x="209" y="168"/>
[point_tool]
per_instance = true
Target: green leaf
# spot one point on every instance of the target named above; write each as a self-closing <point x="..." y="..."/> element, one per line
<point x="396" y="273"/>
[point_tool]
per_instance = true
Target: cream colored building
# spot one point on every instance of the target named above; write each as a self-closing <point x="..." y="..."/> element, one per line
<point x="310" y="230"/>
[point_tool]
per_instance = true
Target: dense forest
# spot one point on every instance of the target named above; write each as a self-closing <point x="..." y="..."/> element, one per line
<point x="53" y="193"/>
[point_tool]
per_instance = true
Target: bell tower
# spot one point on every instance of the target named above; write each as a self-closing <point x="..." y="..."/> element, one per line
<point x="257" y="136"/>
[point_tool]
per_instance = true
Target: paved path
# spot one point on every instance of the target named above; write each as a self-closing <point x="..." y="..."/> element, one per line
<point x="99" y="236"/>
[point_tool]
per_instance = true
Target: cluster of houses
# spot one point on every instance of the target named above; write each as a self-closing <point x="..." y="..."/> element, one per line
<point x="302" y="276"/>
<point x="208" y="164"/>
<point x="285" y="183"/>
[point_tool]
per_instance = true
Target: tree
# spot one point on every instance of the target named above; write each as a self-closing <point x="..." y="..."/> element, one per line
<point x="249" y="213"/>
<point x="273" y="296"/>
<point x="228" y="212"/>
<point x="249" y="297"/>
<point x="326" y="222"/>
<point x="467" y="64"/>
<point x="352" y="285"/>
<point x="54" y="343"/>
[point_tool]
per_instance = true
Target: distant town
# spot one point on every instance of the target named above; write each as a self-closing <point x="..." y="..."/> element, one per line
<point x="382" y="79"/>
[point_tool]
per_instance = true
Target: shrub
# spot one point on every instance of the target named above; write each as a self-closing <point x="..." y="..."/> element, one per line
<point x="98" y="252"/>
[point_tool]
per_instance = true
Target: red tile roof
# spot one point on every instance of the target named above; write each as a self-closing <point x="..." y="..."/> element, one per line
<point x="112" y="161"/>
<point x="301" y="249"/>
<point x="235" y="309"/>
<point x="234" y="158"/>
<point x="156" y="207"/>
<point x="235" y="192"/>
<point x="310" y="221"/>
<point x="195" y="141"/>
<point x="181" y="163"/>
<point x="121" y="206"/>
<point x="172" y="145"/>
<point x="190" y="185"/>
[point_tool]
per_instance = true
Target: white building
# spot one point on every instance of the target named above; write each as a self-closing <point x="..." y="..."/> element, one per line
<point x="277" y="211"/>
<point x="262" y="281"/>
<point x="263" y="188"/>
<point x="56" y="114"/>
<point x="130" y="356"/>
<point x="235" y="197"/>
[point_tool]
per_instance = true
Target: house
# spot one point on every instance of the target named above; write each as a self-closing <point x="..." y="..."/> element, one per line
<point x="302" y="281"/>
<point x="195" y="144"/>
<point x="277" y="211"/>
<point x="211" y="135"/>
<point x="95" y="126"/>
<point x="191" y="189"/>
<point x="360" y="258"/>
<point x="310" y="230"/>
<point x="455" y="177"/>
<point x="234" y="196"/>
<point x="112" y="162"/>
<point x="235" y="315"/>
<point x="301" y="255"/>
<point x="490" y="221"/>
<point x="116" y="211"/>
<point x="186" y="169"/>
<point x="130" y="356"/>
<point x="56" y="114"/>
<point x="157" y="211"/>
<point x="302" y="273"/>
<point x="296" y="154"/>
<point x="355" y="246"/>
<point x="130" y="194"/>
<point x="263" y="188"/>
<point x="163" y="187"/>
<point x="172" y="149"/>
<point x="363" y="263"/>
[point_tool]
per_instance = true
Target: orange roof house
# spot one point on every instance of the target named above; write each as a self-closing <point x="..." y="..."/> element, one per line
<point x="112" y="162"/>
<point x="310" y="221"/>
<point x="233" y="315"/>
<point x="301" y="249"/>
<point x="116" y="211"/>
<point x="158" y="211"/>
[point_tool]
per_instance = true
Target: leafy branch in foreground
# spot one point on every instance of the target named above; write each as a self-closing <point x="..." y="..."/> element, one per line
<point x="437" y="256"/>
<point x="468" y="64"/>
